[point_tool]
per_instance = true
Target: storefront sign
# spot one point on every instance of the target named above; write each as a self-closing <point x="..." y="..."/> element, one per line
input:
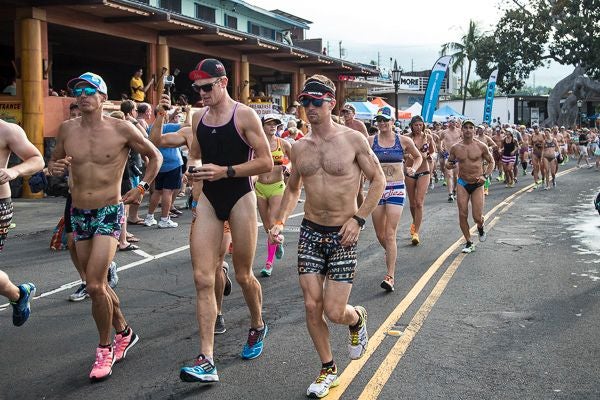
<point x="11" y="111"/>
<point x="409" y="83"/>
<point x="278" y="89"/>
<point x="262" y="108"/>
<point x="346" y="77"/>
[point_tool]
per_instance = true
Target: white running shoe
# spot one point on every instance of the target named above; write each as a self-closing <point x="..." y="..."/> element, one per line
<point x="150" y="220"/>
<point x="113" y="277"/>
<point x="80" y="294"/>
<point x="167" y="224"/>
<point x="328" y="378"/>
<point x="358" y="340"/>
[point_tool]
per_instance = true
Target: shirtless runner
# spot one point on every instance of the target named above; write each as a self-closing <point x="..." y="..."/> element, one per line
<point x="329" y="161"/>
<point x="449" y="137"/>
<point x="14" y="140"/>
<point x="470" y="155"/>
<point x="95" y="148"/>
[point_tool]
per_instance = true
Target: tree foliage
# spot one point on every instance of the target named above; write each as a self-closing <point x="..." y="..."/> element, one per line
<point x="532" y="32"/>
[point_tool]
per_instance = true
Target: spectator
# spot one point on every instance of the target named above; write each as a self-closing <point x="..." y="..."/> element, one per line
<point x="144" y="112"/>
<point x="138" y="90"/>
<point x="11" y="89"/>
<point x="74" y="111"/>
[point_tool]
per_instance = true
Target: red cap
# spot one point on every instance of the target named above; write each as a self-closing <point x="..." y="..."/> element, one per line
<point x="207" y="68"/>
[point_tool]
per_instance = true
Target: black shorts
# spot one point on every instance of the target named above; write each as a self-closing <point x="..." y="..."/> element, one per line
<point x="169" y="180"/>
<point x="320" y="252"/>
<point x="6" y="214"/>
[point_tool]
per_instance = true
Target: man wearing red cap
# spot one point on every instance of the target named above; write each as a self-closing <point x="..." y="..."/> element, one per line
<point x="94" y="149"/>
<point x="329" y="162"/>
<point x="229" y="147"/>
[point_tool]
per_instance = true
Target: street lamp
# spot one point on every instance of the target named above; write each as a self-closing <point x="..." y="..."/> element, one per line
<point x="579" y="104"/>
<point x="396" y="75"/>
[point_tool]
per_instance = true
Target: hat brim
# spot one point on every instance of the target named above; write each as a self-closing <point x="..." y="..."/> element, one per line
<point x="272" y="119"/>
<point x="315" y="96"/>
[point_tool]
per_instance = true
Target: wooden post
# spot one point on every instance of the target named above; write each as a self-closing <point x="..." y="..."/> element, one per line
<point x="162" y="61"/>
<point x="149" y="73"/>
<point x="33" y="95"/>
<point x="245" y="77"/>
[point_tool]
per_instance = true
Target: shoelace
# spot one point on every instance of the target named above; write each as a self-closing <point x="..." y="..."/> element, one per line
<point x="254" y="336"/>
<point x="102" y="357"/>
<point x="324" y="373"/>
<point x="203" y="363"/>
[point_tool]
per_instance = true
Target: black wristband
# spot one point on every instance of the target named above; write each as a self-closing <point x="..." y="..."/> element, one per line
<point x="359" y="220"/>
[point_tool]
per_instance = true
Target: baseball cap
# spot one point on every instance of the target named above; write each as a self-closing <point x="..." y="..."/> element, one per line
<point x="316" y="89"/>
<point x="469" y="121"/>
<point x="349" y="107"/>
<point x="535" y="126"/>
<point x="208" y="68"/>
<point x="269" y="118"/>
<point x="384" y="112"/>
<point x="91" y="78"/>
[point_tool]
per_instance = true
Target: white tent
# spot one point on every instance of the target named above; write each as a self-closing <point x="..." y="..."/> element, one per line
<point x="415" y="109"/>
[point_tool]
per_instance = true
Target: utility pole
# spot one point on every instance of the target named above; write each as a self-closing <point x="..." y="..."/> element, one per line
<point x="340" y="49"/>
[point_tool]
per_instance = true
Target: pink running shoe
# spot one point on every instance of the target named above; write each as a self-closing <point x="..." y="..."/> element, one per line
<point x="102" y="367"/>
<point x="122" y="344"/>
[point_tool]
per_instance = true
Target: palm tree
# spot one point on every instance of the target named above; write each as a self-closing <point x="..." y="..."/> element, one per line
<point x="463" y="51"/>
<point x="477" y="88"/>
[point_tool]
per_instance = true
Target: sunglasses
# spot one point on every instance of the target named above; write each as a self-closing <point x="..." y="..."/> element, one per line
<point x="89" y="91"/>
<point x="306" y="101"/>
<point x="381" y="120"/>
<point x="205" y="88"/>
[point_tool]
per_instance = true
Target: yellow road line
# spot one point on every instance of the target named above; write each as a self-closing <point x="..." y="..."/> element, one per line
<point x="355" y="366"/>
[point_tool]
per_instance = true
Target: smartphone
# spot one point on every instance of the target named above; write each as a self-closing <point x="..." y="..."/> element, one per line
<point x="191" y="169"/>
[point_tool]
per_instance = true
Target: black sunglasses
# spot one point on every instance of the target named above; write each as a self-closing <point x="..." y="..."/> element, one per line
<point x="382" y="120"/>
<point x="205" y="88"/>
<point x="306" y="101"/>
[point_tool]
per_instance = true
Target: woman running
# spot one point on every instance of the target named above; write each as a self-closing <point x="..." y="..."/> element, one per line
<point x="270" y="186"/>
<point x="417" y="184"/>
<point x="389" y="149"/>
<point x="550" y="165"/>
<point x="509" y="149"/>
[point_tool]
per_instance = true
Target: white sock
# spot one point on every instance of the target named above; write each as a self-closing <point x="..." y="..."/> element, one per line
<point x="165" y="219"/>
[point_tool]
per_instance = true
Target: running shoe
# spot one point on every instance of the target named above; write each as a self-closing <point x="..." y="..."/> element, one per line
<point x="524" y="172"/>
<point x="482" y="234"/>
<point x="175" y="210"/>
<point x="387" y="283"/>
<point x="102" y="368"/>
<point x="415" y="239"/>
<point x="413" y="229"/>
<point x="553" y="183"/>
<point x="358" y="339"/>
<point x="227" y="287"/>
<point x="450" y="198"/>
<point x="167" y="224"/>
<point x="328" y="378"/>
<point x="80" y="294"/>
<point x="122" y="344"/>
<point x="202" y="371"/>
<point x="469" y="248"/>
<point x="444" y="182"/>
<point x="113" y="277"/>
<point x="254" y="346"/>
<point x="266" y="271"/>
<point x="220" y="325"/>
<point x="150" y="220"/>
<point x="431" y="186"/>
<point x="279" y="251"/>
<point x="486" y="191"/>
<point x="21" y="307"/>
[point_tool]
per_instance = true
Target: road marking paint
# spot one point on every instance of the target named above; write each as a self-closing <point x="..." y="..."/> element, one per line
<point x="354" y="367"/>
<point x="147" y="258"/>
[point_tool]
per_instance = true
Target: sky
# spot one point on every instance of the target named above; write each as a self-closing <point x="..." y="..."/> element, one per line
<point x="414" y="37"/>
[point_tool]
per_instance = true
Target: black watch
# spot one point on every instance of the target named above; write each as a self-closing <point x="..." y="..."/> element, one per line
<point x="230" y="171"/>
<point x="361" y="221"/>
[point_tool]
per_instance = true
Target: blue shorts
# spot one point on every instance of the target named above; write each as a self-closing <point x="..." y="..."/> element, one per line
<point x="170" y="180"/>
<point x="393" y="194"/>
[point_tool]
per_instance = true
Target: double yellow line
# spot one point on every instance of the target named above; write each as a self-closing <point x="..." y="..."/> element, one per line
<point x="374" y="387"/>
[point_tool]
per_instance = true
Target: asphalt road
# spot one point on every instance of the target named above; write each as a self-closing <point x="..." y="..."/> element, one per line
<point x="517" y="319"/>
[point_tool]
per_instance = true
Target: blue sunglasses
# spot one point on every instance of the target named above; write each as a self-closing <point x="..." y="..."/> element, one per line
<point x="89" y="91"/>
<point x="306" y="101"/>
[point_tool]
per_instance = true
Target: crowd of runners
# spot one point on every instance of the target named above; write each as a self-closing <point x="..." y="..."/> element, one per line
<point x="238" y="167"/>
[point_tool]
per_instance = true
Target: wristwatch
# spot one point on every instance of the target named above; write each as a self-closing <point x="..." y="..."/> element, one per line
<point x="230" y="171"/>
<point x="144" y="185"/>
<point x="359" y="220"/>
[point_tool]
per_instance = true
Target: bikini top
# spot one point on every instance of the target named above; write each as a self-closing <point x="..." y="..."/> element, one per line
<point x="549" y="143"/>
<point x="277" y="154"/>
<point x="392" y="154"/>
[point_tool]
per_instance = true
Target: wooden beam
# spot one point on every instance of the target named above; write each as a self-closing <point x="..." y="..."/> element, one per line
<point x="181" y="32"/>
<point x="162" y="17"/>
<point x="225" y="42"/>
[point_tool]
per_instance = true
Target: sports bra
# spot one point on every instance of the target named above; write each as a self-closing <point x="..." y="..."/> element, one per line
<point x="392" y="154"/>
<point x="277" y="154"/>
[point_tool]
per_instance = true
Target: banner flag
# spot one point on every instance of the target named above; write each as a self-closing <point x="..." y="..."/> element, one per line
<point x="438" y="72"/>
<point x="489" y="97"/>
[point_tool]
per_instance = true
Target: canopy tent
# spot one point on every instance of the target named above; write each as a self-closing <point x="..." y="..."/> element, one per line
<point x="446" y="112"/>
<point x="415" y="109"/>
<point x="380" y="103"/>
<point x="364" y="110"/>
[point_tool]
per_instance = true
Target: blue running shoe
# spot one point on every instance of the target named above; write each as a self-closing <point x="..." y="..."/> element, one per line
<point x="21" y="309"/>
<point x="254" y="346"/>
<point x="279" y="251"/>
<point x="202" y="371"/>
